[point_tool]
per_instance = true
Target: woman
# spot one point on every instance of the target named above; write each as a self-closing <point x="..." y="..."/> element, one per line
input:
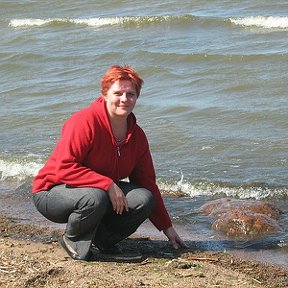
<point x="81" y="183"/>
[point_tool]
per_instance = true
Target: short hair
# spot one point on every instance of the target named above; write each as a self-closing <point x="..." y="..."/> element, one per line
<point x="115" y="73"/>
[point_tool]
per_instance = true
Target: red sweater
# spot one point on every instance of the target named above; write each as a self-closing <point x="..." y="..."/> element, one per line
<point x="87" y="155"/>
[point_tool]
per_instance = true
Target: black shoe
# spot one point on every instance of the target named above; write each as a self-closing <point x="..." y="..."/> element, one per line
<point x="113" y="250"/>
<point x="115" y="254"/>
<point x="70" y="251"/>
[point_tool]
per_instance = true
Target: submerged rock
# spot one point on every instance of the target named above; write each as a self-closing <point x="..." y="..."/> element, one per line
<point x="243" y="218"/>
<point x="219" y="207"/>
<point x="237" y="223"/>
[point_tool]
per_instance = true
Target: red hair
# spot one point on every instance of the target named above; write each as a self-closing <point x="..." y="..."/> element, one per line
<point x="116" y="73"/>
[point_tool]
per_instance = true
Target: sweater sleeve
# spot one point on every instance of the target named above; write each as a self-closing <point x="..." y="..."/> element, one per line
<point x="70" y="152"/>
<point x="144" y="175"/>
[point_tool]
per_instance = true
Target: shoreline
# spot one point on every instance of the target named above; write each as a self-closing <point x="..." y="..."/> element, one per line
<point x="32" y="257"/>
<point x="266" y="251"/>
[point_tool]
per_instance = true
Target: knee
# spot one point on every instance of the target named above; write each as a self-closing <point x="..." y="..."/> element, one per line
<point x="151" y="203"/>
<point x="95" y="199"/>
<point x="147" y="202"/>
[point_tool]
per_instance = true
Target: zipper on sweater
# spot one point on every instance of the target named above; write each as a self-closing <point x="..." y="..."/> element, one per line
<point x="117" y="163"/>
<point x="118" y="151"/>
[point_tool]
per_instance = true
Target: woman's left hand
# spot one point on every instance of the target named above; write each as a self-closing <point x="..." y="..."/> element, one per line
<point x="174" y="238"/>
<point x="118" y="199"/>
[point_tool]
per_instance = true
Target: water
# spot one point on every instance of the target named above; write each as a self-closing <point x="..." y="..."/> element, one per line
<point x="213" y="105"/>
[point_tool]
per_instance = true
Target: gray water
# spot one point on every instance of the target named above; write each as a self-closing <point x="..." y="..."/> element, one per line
<point x="213" y="105"/>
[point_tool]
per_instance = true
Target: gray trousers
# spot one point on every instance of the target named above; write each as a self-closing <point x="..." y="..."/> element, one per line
<point x="89" y="214"/>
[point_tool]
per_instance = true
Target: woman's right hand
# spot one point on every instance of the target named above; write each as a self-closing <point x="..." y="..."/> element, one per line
<point x="118" y="199"/>
<point x="174" y="238"/>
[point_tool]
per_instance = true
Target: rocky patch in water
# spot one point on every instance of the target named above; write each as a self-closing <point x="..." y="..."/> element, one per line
<point x="243" y="218"/>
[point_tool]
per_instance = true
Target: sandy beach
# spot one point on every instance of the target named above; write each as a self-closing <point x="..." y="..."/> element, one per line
<point x="32" y="257"/>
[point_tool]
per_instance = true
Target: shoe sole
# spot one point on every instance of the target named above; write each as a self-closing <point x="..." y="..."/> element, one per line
<point x="117" y="258"/>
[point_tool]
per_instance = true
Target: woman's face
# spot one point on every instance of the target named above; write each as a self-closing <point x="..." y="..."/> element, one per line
<point x="121" y="98"/>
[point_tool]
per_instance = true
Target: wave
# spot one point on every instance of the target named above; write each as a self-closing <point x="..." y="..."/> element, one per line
<point x="206" y="189"/>
<point x="18" y="170"/>
<point x="99" y="22"/>
<point x="267" y="22"/>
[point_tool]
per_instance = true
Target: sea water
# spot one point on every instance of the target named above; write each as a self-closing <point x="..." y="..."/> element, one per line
<point x="214" y="103"/>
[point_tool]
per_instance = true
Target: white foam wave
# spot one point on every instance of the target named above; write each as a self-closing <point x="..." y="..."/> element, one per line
<point x="267" y="22"/>
<point x="214" y="189"/>
<point x="18" y="170"/>
<point x="97" y="22"/>
<point x="93" y="22"/>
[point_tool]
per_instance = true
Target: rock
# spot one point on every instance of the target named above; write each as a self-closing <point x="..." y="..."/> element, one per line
<point x="219" y="207"/>
<point x="243" y="218"/>
<point x="238" y="223"/>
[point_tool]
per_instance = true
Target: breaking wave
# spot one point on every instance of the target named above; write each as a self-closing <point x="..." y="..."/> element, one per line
<point x="18" y="170"/>
<point x="99" y="22"/>
<point x="267" y="22"/>
<point x="209" y="189"/>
